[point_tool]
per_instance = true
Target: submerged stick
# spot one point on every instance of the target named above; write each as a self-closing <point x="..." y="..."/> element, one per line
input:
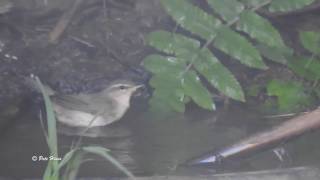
<point x="287" y="130"/>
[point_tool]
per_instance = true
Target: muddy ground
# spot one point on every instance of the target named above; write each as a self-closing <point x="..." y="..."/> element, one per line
<point x="103" y="41"/>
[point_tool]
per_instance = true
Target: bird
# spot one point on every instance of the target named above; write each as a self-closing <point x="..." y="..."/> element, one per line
<point x="95" y="109"/>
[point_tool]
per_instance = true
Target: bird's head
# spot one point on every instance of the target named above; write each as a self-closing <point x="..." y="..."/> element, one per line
<point x="121" y="91"/>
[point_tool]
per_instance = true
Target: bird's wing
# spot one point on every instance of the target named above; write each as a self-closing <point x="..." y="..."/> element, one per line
<point x="73" y="102"/>
<point x="105" y="105"/>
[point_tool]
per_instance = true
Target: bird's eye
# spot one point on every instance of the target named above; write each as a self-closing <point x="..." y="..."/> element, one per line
<point x="122" y="87"/>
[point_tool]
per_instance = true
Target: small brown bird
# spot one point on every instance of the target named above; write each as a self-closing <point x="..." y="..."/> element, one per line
<point x="96" y="109"/>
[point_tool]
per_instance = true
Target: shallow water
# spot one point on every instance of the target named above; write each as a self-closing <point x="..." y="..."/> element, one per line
<point x="150" y="144"/>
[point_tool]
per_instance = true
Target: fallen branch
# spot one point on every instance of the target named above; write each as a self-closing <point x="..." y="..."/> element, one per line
<point x="259" y="142"/>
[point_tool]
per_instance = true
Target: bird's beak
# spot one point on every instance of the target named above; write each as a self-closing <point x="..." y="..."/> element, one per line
<point x="137" y="87"/>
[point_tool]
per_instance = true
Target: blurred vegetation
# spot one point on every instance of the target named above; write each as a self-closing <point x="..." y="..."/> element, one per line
<point x="302" y="93"/>
<point x="185" y="66"/>
<point x="292" y="96"/>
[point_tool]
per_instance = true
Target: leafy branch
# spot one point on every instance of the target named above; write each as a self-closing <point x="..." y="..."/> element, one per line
<point x="235" y="29"/>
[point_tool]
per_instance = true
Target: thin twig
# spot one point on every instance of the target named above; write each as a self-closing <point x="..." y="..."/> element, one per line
<point x="82" y="41"/>
<point x="77" y="145"/>
<point x="261" y="5"/>
<point x="284" y="115"/>
<point x="63" y="22"/>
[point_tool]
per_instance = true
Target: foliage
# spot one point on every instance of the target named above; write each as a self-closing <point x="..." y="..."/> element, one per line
<point x="311" y="41"/>
<point x="186" y="63"/>
<point x="75" y="157"/>
<point x="72" y="159"/>
<point x="52" y="170"/>
<point x="308" y="66"/>
<point x="288" y="5"/>
<point x="292" y="96"/>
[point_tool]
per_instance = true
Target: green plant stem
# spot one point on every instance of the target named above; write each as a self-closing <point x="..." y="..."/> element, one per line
<point x="194" y="57"/>
<point x="261" y="5"/>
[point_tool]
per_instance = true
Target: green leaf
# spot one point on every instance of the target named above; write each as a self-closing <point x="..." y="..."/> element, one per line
<point x="171" y="43"/>
<point x="52" y="128"/>
<point x="253" y="3"/>
<point x="67" y="157"/>
<point x="52" y="169"/>
<point x="288" y="5"/>
<point x="311" y="41"/>
<point x="260" y="29"/>
<point x="238" y="47"/>
<point x="291" y="95"/>
<point x="218" y="75"/>
<point x="228" y="9"/>
<point x="177" y="105"/>
<point x="306" y="67"/>
<point x="278" y="55"/>
<point x="73" y="165"/>
<point x="193" y="87"/>
<point x="160" y="107"/>
<point x="173" y="99"/>
<point x="165" y="81"/>
<point x="158" y="64"/>
<point x="168" y="91"/>
<point x="192" y="18"/>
